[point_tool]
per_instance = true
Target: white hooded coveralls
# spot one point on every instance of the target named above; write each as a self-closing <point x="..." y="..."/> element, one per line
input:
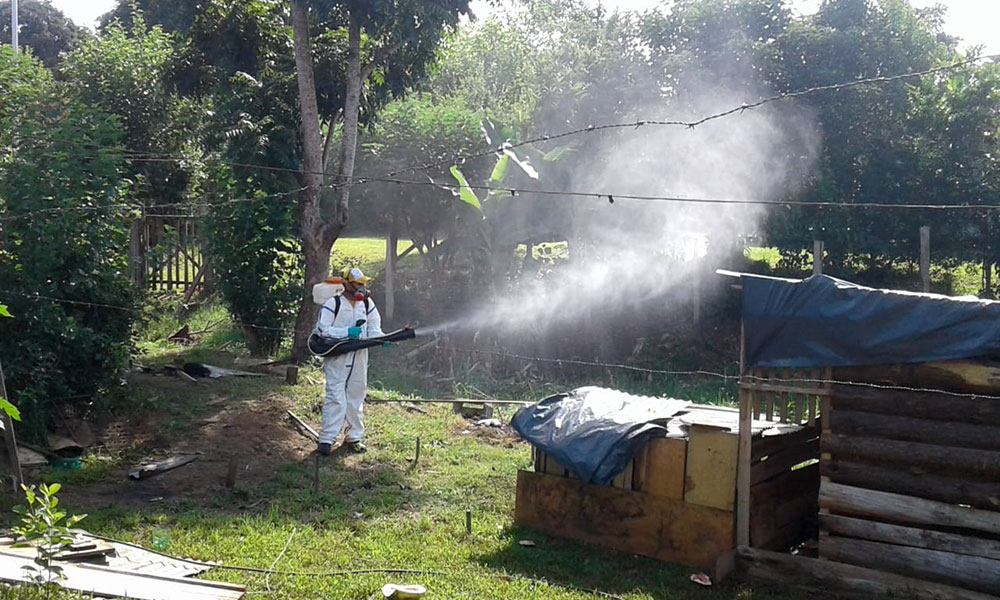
<point x="346" y="374"/>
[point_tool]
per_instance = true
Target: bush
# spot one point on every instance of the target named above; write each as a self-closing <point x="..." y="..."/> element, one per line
<point x="63" y="244"/>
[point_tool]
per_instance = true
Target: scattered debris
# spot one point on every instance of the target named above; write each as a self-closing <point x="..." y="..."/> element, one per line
<point x="701" y="579"/>
<point x="183" y="336"/>
<point x="108" y="568"/>
<point x="30" y="458"/>
<point x="202" y="370"/>
<point x="527" y="543"/>
<point x="74" y="428"/>
<point x="489" y="423"/>
<point x="63" y="446"/>
<point x="403" y="592"/>
<point x="163" y="466"/>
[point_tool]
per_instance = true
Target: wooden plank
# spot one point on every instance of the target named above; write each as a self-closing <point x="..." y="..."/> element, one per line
<point x="783" y="398"/>
<point x="904" y="428"/>
<point x="771" y="387"/>
<point x="921" y="405"/>
<point x="629" y="521"/>
<point x="309" y="431"/>
<point x="710" y="474"/>
<point x="915" y="481"/>
<point x="552" y="466"/>
<point x="103" y="581"/>
<point x="985" y="463"/>
<point x="624" y="479"/>
<point x="783" y="461"/>
<point x="843" y="581"/>
<point x="885" y="506"/>
<point x="743" y="443"/>
<point x="660" y="468"/>
<point x="969" y="572"/>
<point x="910" y="536"/>
<point x="769" y="444"/>
<point x="774" y="395"/>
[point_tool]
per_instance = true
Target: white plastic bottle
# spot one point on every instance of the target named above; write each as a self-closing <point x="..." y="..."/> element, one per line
<point x="327" y="289"/>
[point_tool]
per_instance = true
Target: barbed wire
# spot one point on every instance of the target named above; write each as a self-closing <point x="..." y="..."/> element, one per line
<point x="701" y="121"/>
<point x="152" y="156"/>
<point x="724" y="377"/>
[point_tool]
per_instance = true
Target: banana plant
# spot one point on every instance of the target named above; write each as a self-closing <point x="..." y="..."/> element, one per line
<point x="493" y="236"/>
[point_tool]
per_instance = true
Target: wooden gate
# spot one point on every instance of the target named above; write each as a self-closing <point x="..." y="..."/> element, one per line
<point x="168" y="254"/>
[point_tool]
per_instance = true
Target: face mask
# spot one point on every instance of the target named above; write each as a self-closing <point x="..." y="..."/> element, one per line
<point x="361" y="293"/>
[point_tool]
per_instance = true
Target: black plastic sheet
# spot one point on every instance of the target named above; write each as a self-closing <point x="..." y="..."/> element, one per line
<point x="826" y="322"/>
<point x="594" y="432"/>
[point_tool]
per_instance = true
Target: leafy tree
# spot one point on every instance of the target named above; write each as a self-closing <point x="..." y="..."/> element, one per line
<point x="389" y="45"/>
<point x="43" y="28"/>
<point x="367" y="52"/>
<point x="63" y="246"/>
<point x="954" y="136"/>
<point x="126" y="73"/>
<point x="865" y="156"/>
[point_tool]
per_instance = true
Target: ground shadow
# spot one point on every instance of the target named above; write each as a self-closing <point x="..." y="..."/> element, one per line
<point x="581" y="566"/>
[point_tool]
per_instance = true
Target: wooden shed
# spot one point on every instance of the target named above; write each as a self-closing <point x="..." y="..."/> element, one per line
<point x="909" y="497"/>
<point x="676" y="500"/>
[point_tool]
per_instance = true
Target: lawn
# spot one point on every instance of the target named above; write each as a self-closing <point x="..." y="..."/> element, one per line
<point x="374" y="511"/>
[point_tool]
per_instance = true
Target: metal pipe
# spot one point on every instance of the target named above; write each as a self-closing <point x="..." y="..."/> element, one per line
<point x="13" y="25"/>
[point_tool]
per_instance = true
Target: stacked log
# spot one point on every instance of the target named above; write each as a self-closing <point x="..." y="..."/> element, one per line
<point x="911" y="484"/>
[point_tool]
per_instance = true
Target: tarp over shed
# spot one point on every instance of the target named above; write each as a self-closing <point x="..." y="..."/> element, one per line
<point x="827" y="322"/>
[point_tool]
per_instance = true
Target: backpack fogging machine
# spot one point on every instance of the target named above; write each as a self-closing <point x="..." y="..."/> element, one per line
<point x="326" y="346"/>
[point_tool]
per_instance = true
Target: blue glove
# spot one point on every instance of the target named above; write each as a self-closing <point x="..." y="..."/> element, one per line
<point x="386" y="344"/>
<point x="354" y="332"/>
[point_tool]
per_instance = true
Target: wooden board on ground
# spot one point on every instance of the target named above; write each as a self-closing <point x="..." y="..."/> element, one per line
<point x="659" y="468"/>
<point x="104" y="581"/>
<point x="710" y="475"/>
<point x="629" y="521"/>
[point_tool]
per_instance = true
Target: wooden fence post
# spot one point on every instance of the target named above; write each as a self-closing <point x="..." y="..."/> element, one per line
<point x="390" y="273"/>
<point x="817" y="257"/>
<point x="925" y="258"/>
<point x="8" y="434"/>
<point x="743" y="452"/>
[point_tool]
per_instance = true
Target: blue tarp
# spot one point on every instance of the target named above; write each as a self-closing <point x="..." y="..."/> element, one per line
<point x="592" y="431"/>
<point x="826" y="322"/>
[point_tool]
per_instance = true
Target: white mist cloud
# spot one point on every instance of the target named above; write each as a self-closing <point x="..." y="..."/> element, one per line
<point x="633" y="256"/>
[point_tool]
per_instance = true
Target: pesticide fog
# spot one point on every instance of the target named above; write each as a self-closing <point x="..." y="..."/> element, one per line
<point x="630" y="256"/>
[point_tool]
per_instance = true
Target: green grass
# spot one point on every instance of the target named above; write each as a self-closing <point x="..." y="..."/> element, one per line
<point x="368" y="254"/>
<point x="375" y="511"/>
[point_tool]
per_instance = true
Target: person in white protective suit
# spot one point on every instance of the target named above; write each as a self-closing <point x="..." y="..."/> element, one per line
<point x="351" y="314"/>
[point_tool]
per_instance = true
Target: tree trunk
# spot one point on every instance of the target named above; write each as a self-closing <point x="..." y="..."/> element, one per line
<point x="321" y="223"/>
<point x="311" y="179"/>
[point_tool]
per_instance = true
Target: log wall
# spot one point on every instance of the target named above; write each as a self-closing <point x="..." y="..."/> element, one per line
<point x="911" y="479"/>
